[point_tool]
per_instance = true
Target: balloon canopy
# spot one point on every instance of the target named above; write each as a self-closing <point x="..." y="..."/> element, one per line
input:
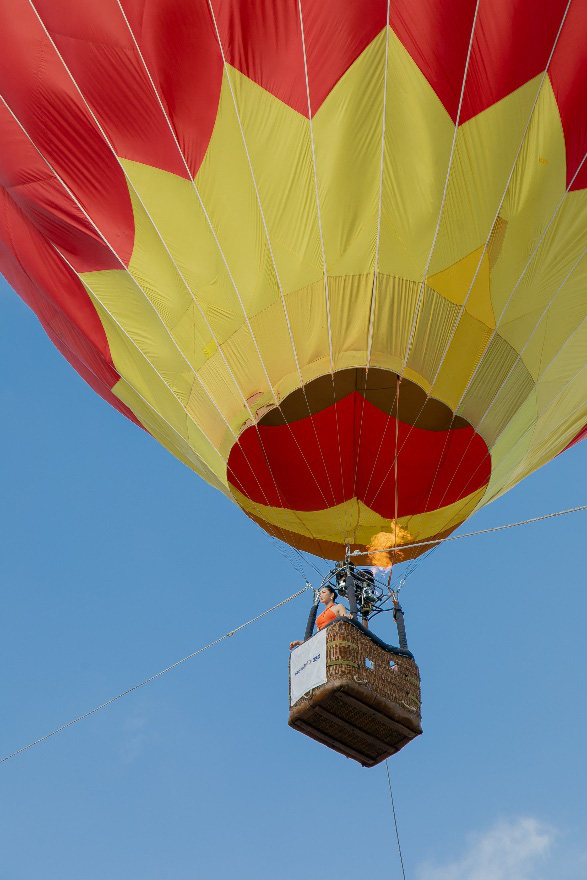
<point x="330" y="255"/>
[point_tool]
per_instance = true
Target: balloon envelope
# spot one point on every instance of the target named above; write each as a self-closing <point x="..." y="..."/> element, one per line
<point x="330" y="255"/>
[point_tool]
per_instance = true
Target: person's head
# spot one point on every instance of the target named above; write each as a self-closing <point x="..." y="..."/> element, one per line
<point x="327" y="594"/>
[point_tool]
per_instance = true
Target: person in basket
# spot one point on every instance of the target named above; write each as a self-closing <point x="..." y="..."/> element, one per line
<point x="331" y="611"/>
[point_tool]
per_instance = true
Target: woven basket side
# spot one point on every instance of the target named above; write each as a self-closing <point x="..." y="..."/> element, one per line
<point x="351" y="655"/>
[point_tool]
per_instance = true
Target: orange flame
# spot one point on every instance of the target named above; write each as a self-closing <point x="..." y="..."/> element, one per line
<point x="380" y="544"/>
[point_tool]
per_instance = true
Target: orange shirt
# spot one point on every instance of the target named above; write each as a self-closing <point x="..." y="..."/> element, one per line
<point x="327" y="615"/>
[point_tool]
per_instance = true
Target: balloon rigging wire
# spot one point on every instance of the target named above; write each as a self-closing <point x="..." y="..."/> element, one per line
<point x="371" y="326"/>
<point x="153" y="677"/>
<point x="395" y="819"/>
<point x="440" y="541"/>
<point x="346" y="525"/>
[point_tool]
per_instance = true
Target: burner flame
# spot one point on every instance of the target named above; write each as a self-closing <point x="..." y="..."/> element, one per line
<point x="382" y="543"/>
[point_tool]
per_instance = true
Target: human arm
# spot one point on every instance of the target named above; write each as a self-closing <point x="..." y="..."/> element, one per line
<point x="295" y="644"/>
<point x="341" y="611"/>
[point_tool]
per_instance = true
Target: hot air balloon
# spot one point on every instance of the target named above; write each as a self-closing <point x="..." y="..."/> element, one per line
<point x="331" y="256"/>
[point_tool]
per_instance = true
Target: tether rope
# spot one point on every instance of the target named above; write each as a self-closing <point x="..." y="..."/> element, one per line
<point x="440" y="541"/>
<point x="152" y="677"/>
<point x="395" y="819"/>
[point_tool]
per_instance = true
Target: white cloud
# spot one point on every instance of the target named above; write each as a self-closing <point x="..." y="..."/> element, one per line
<point x="510" y="850"/>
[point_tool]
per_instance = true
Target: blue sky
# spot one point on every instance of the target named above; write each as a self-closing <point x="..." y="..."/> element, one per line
<point x="118" y="561"/>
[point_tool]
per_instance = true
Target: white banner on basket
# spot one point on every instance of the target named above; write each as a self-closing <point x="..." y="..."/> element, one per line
<point x="307" y="666"/>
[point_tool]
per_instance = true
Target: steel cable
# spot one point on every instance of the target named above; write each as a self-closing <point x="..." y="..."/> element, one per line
<point x="146" y="681"/>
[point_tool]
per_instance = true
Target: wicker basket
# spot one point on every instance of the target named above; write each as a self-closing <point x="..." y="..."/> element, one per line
<point x="369" y="707"/>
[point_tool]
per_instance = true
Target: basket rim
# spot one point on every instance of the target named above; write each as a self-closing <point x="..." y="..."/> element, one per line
<point x="390" y="649"/>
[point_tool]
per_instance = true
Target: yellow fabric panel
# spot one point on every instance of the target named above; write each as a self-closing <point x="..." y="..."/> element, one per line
<point x="418" y="140"/>
<point x="568" y="363"/>
<point x="510" y="448"/>
<point x="456" y="360"/>
<point x="155" y="273"/>
<point x="500" y="385"/>
<point x="533" y="198"/>
<point x="326" y="524"/>
<point x="347" y="137"/>
<point x="350" y="304"/>
<point x="485" y="152"/>
<point x="227" y="190"/>
<point x="558" y="304"/>
<point x="559" y="424"/>
<point x="182" y="448"/>
<point x="285" y="182"/>
<point x="175" y="212"/>
<point x="125" y="312"/>
<point x="550" y="434"/>
<point x="454" y="283"/>
<point x="153" y="383"/>
<point x="206" y="408"/>
<point x="548" y="420"/>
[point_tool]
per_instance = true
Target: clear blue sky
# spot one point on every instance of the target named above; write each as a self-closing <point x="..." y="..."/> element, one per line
<point x="117" y="561"/>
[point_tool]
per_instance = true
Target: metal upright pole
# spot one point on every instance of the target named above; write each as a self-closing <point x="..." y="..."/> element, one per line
<point x="351" y="595"/>
<point x="398" y="616"/>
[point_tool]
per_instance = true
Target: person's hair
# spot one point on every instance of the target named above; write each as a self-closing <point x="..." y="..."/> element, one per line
<point x="332" y="590"/>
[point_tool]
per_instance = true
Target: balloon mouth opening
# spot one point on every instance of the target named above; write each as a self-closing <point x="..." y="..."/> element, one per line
<point x="360" y="439"/>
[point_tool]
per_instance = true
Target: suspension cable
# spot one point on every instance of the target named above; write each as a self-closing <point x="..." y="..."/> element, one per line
<point x="438" y="541"/>
<point x="395" y="819"/>
<point x="146" y="681"/>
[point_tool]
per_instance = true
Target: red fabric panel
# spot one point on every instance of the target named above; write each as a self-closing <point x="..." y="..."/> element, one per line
<point x="45" y="201"/>
<point x="582" y="435"/>
<point x="568" y="75"/>
<point x="35" y="259"/>
<point x="36" y="87"/>
<point x="98" y="374"/>
<point x="59" y="300"/>
<point x="511" y="45"/>
<point x="294" y="472"/>
<point x="180" y="51"/>
<point x="263" y="40"/>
